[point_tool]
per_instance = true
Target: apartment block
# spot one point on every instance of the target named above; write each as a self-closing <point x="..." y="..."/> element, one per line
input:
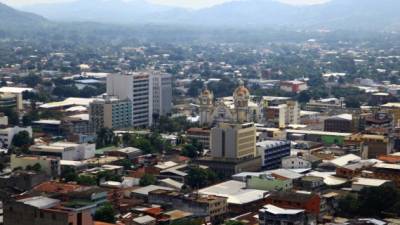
<point x="110" y="112"/>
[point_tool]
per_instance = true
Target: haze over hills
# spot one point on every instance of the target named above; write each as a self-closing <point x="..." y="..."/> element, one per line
<point x="336" y="14"/>
<point x="12" y="18"/>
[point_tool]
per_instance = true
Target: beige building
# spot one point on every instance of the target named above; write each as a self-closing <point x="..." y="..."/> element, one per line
<point x="49" y="165"/>
<point x="233" y="141"/>
<point x="110" y="112"/>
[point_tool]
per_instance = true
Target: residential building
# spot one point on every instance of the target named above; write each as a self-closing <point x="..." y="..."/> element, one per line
<point x="44" y="211"/>
<point x="308" y="201"/>
<point x="65" y="150"/>
<point x="300" y="162"/>
<point x="203" y="206"/>
<point x="282" y="114"/>
<point x="7" y="134"/>
<point x="386" y="171"/>
<point x="272" y="153"/>
<point x="110" y="112"/>
<point x="49" y="165"/>
<point x="271" y="214"/>
<point x="239" y="198"/>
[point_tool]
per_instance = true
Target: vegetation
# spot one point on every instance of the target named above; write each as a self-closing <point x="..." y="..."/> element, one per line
<point x="187" y="222"/>
<point x="198" y="177"/>
<point x="105" y="138"/>
<point x="86" y="180"/>
<point x="105" y="213"/>
<point x="147" y="179"/>
<point x="370" y="202"/>
<point x="192" y="150"/>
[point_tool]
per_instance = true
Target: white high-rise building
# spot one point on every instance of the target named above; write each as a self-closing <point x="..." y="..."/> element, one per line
<point x="149" y="91"/>
<point x="162" y="93"/>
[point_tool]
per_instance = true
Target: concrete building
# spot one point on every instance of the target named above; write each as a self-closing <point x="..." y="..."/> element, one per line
<point x="233" y="141"/>
<point x="272" y="153"/>
<point x="271" y="214"/>
<point x="268" y="183"/>
<point x="7" y="134"/>
<point x="44" y="211"/>
<point x="150" y="92"/>
<point x="294" y="86"/>
<point x="12" y="97"/>
<point x="341" y="123"/>
<point x="282" y="114"/>
<point x="233" y="149"/>
<point x="201" y="135"/>
<point x="65" y="150"/>
<point x="9" y="101"/>
<point x="162" y="93"/>
<point x="204" y="206"/>
<point x="110" y="112"/>
<point x="49" y="165"/>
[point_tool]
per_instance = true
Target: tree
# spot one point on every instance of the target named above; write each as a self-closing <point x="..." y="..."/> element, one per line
<point x="86" y="180"/>
<point x="12" y="115"/>
<point x="105" y="137"/>
<point x="105" y="214"/>
<point x="22" y="140"/>
<point x="37" y="167"/>
<point x="69" y="174"/>
<point x="371" y="202"/>
<point x="198" y="177"/>
<point x="147" y="179"/>
<point x="195" y="88"/>
<point x="192" y="150"/>
<point x="31" y="80"/>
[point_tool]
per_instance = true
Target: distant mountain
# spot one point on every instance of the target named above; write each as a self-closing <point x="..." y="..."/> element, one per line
<point x="336" y="14"/>
<point x="105" y="11"/>
<point x="11" y="18"/>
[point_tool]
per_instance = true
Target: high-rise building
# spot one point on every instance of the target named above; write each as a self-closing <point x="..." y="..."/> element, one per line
<point x="150" y="92"/>
<point x="233" y="141"/>
<point x="162" y="93"/>
<point x="110" y="112"/>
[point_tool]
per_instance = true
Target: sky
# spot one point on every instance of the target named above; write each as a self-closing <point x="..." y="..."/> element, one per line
<point x="180" y="3"/>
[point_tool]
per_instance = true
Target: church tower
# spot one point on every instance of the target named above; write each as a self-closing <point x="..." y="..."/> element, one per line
<point x="241" y="98"/>
<point x="206" y="99"/>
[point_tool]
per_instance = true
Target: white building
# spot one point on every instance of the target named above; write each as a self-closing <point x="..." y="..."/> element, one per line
<point x="7" y="134"/>
<point x="149" y="91"/>
<point x="295" y="162"/>
<point x="162" y="93"/>
<point x="65" y="150"/>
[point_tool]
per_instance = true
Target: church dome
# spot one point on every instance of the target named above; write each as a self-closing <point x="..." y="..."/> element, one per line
<point x="241" y="91"/>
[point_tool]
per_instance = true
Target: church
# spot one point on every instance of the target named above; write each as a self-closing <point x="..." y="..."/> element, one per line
<point x="236" y="109"/>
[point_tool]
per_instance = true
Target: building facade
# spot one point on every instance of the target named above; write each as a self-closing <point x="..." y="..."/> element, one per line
<point x="110" y="112"/>
<point x="233" y="141"/>
<point x="150" y="93"/>
<point x="272" y="153"/>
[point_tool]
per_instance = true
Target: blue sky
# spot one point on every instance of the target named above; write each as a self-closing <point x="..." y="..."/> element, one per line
<point x="181" y="3"/>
